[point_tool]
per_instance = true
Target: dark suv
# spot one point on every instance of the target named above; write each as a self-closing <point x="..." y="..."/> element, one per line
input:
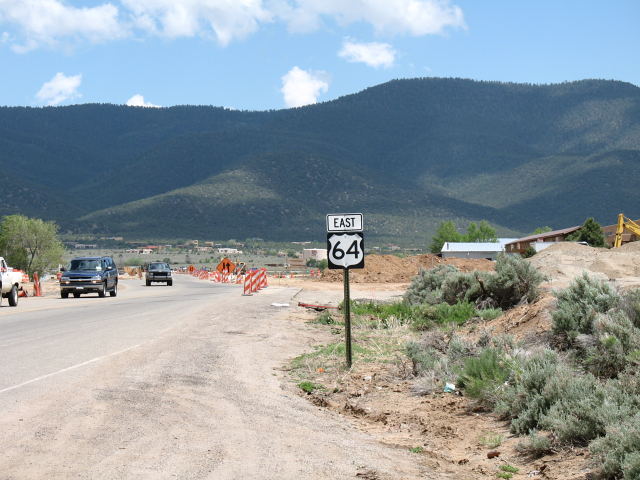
<point x="159" y="272"/>
<point x="89" y="274"/>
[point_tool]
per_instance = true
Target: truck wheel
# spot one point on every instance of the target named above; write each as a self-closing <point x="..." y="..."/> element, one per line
<point x="64" y="294"/>
<point x="170" y="283"/>
<point x="103" y="291"/>
<point x="148" y="283"/>
<point x="76" y="295"/>
<point x="13" y="296"/>
<point x="114" y="292"/>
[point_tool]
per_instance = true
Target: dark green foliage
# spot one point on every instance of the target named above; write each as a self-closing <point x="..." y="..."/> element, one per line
<point x="578" y="306"/>
<point x="410" y="153"/>
<point x="590" y="232"/>
<point x="426" y="317"/>
<point x="529" y="252"/>
<point x="400" y="310"/>
<point x="447" y="232"/>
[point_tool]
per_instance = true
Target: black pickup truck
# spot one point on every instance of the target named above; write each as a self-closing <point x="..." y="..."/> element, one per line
<point x="159" y="272"/>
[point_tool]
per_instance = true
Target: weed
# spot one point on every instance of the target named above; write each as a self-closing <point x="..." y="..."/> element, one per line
<point x="310" y="387"/>
<point x="506" y="475"/>
<point x="508" y="468"/>
<point x="325" y="318"/>
<point x="488" y="314"/>
<point x="491" y="439"/>
<point x="416" y="450"/>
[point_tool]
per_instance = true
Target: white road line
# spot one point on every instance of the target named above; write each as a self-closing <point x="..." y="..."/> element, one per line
<point x="73" y="367"/>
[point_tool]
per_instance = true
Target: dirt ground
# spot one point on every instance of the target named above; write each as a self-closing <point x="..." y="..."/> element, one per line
<point x="447" y="431"/>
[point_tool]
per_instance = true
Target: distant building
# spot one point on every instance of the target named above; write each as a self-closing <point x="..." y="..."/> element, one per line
<point x="521" y="244"/>
<point x="229" y="251"/>
<point x="314" y="254"/>
<point x="488" y="250"/>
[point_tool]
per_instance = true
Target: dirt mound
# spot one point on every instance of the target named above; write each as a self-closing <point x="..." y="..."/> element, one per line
<point x="563" y="262"/>
<point x="392" y="269"/>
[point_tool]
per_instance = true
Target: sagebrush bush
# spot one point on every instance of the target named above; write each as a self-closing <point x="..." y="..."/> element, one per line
<point x="580" y="303"/>
<point x="630" y="304"/>
<point x="618" y="450"/>
<point x="457" y="287"/>
<point x="578" y="411"/>
<point x="426" y="286"/>
<point x="525" y="400"/>
<point x="515" y="280"/>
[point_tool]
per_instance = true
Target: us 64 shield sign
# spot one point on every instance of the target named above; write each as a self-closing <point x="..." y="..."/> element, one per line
<point x="345" y="250"/>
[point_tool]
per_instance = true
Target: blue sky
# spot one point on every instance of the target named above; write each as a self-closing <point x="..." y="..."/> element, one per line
<point x="271" y="54"/>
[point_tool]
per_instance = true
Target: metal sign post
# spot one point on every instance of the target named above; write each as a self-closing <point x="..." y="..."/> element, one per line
<point x="345" y="250"/>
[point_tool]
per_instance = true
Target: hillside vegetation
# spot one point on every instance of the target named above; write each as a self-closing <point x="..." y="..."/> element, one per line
<point x="408" y="153"/>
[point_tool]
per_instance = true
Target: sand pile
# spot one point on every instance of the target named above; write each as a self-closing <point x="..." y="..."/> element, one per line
<point x="563" y="262"/>
<point x="392" y="269"/>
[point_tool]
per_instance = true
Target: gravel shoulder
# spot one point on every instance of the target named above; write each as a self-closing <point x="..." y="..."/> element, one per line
<point x="206" y="399"/>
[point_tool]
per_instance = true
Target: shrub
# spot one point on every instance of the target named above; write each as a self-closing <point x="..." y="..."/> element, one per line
<point x="535" y="445"/>
<point x="491" y="440"/>
<point x="576" y="415"/>
<point x="484" y="375"/>
<point x="426" y="286"/>
<point x="459" y="287"/>
<point x="615" y="338"/>
<point x="526" y="401"/>
<point x="630" y="305"/>
<point x="488" y="314"/>
<point x="578" y="305"/>
<point x="422" y="357"/>
<point x="515" y="280"/>
<point x="619" y="450"/>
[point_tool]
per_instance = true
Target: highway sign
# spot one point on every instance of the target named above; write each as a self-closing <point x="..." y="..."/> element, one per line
<point x="344" y="222"/>
<point x="345" y="250"/>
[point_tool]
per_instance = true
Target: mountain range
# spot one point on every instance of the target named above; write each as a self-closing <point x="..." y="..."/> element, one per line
<point x="408" y="154"/>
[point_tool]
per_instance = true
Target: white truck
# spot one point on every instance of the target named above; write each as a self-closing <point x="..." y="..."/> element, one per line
<point x="9" y="283"/>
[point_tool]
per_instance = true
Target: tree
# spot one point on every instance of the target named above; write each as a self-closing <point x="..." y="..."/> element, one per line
<point x="480" y="233"/>
<point x="590" y="232"/>
<point x="447" y="232"/>
<point x="30" y="244"/>
<point x="540" y="230"/>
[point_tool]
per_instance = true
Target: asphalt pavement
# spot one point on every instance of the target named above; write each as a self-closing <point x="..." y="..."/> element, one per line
<point x="48" y="340"/>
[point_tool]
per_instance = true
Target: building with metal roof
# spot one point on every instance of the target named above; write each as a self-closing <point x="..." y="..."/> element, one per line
<point x="488" y="250"/>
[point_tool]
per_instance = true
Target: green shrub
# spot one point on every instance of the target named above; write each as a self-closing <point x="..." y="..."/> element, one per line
<point x="422" y="357"/>
<point x="630" y="304"/>
<point x="578" y="306"/>
<point x="509" y="468"/>
<point x="310" y="387"/>
<point x="483" y="376"/>
<point x="491" y="439"/>
<point x="618" y="450"/>
<point x="325" y="318"/>
<point x="457" y="314"/>
<point x="426" y="286"/>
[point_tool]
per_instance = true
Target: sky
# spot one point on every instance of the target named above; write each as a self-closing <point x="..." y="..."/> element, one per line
<point x="273" y="54"/>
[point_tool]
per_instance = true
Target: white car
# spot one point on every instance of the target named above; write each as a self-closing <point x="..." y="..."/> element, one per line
<point x="9" y="283"/>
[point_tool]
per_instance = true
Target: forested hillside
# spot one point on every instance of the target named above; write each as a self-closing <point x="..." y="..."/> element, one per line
<point x="408" y="154"/>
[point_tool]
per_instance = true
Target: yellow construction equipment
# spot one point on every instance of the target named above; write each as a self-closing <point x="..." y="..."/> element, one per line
<point x="624" y="222"/>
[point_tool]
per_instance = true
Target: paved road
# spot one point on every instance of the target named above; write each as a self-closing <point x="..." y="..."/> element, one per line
<point x="171" y="382"/>
<point x="44" y="341"/>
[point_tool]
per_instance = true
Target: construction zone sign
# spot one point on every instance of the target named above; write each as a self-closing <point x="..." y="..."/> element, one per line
<point x="226" y="266"/>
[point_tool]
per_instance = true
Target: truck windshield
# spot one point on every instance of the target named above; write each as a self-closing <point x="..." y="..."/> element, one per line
<point x="85" y="265"/>
<point x="158" y="266"/>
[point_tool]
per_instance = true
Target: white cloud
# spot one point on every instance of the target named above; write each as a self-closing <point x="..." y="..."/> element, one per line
<point x="300" y="87"/>
<point x="138" y="101"/>
<point x="226" y="19"/>
<point x="373" y="54"/>
<point x="59" y="89"/>
<point x="47" y="22"/>
<point x="412" y="17"/>
<point x="36" y="23"/>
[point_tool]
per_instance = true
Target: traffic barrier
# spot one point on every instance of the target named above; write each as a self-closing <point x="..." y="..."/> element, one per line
<point x="37" y="292"/>
<point x="247" y="283"/>
<point x="263" y="278"/>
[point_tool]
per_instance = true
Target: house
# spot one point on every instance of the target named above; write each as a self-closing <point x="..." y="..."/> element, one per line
<point x="229" y="251"/>
<point x="521" y="244"/>
<point x="488" y="250"/>
<point x="314" y="254"/>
